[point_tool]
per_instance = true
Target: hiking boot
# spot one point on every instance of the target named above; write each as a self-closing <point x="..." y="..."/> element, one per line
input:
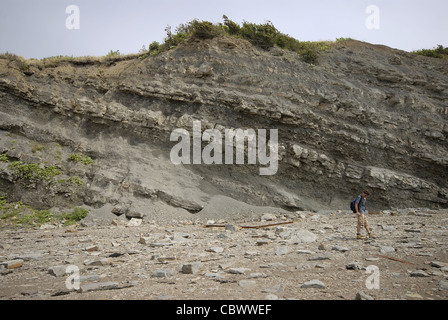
<point x="372" y="236"/>
<point x="360" y="237"/>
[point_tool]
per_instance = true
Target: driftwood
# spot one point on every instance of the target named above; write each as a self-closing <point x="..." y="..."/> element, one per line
<point x="395" y="259"/>
<point x="249" y="227"/>
<point x="214" y="226"/>
<point x="267" y="225"/>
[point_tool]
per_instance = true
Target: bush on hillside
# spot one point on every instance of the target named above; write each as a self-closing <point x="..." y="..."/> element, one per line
<point x="264" y="36"/>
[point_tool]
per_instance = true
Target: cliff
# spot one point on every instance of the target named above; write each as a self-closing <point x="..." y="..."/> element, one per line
<point x="364" y="116"/>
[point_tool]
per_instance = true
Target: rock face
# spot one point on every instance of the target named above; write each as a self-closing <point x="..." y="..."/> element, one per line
<point x="365" y="117"/>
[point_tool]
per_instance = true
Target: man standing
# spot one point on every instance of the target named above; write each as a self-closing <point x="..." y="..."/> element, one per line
<point x="360" y="209"/>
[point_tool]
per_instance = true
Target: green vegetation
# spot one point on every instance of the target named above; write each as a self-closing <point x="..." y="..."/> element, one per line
<point x="33" y="171"/>
<point x="264" y="36"/>
<point x="112" y="54"/>
<point x="76" y="157"/>
<point x="73" y="180"/>
<point x="438" y="52"/>
<point x="9" y="210"/>
<point x="25" y="65"/>
<point x="154" y="48"/>
<point x="4" y="158"/>
<point x="37" y="217"/>
<point x="343" y="39"/>
<point x="16" y="214"/>
<point x="37" y="147"/>
<point x="76" y="215"/>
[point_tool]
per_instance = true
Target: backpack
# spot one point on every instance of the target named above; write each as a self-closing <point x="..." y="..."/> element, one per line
<point x="353" y="203"/>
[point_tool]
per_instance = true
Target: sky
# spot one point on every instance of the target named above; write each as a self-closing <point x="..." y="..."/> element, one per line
<point x="45" y="28"/>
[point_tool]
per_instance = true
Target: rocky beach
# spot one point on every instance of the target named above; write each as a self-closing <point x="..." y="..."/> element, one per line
<point x="302" y="255"/>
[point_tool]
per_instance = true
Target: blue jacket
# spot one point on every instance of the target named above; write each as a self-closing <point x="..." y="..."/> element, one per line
<point x="361" y="204"/>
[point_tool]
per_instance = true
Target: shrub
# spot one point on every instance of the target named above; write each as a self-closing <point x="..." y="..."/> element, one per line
<point x="76" y="157"/>
<point x="439" y="52"/>
<point x="77" y="215"/>
<point x="154" y="46"/>
<point x="73" y="180"/>
<point x="4" y="158"/>
<point x="266" y="36"/>
<point x="197" y="29"/>
<point x="203" y="30"/>
<point x="3" y="201"/>
<point x="232" y="27"/>
<point x="24" y="66"/>
<point x="154" y="49"/>
<point x="260" y="35"/>
<point x="34" y="218"/>
<point x="34" y="171"/>
<point x="343" y="39"/>
<point x="38" y="217"/>
<point x="17" y="214"/>
<point x="172" y="40"/>
<point x="112" y="54"/>
<point x="309" y="51"/>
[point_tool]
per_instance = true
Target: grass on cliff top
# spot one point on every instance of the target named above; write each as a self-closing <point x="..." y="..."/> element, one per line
<point x="56" y="61"/>
<point x="264" y="36"/>
<point x="439" y="52"/>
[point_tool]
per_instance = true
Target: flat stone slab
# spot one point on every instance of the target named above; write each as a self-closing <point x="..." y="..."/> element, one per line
<point x="110" y="285"/>
<point x="12" y="264"/>
<point x="313" y="284"/>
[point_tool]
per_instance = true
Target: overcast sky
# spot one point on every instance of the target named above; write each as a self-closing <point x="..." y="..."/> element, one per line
<point x="43" y="28"/>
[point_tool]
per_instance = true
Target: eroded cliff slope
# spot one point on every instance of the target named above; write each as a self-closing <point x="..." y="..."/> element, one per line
<point x="365" y="116"/>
